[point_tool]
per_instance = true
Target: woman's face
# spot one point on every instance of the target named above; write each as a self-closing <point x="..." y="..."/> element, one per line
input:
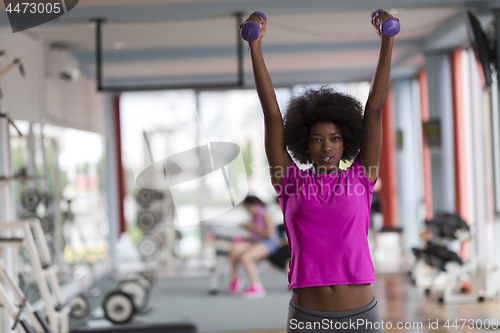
<point x="326" y="146"/>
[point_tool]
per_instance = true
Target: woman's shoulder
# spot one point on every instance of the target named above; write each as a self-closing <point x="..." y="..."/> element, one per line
<point x="357" y="171"/>
<point x="293" y="171"/>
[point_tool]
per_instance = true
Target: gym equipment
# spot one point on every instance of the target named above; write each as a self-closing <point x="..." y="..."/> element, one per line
<point x="145" y="281"/>
<point x="138" y="291"/>
<point x="47" y="223"/>
<point x="250" y="30"/>
<point x="44" y="271"/>
<point x="22" y="305"/>
<point x="118" y="307"/>
<point x="147" y="219"/>
<point x="146" y="196"/>
<point x="38" y="323"/>
<point x="148" y="276"/>
<point x="11" y="122"/>
<point x="149" y="246"/>
<point x="130" y="297"/>
<point x="17" y="62"/>
<point x="30" y="199"/>
<point x="181" y="327"/>
<point x="69" y="219"/>
<point x="447" y="225"/>
<point x="436" y="256"/>
<point x="389" y="27"/>
<point x="449" y="232"/>
<point x="80" y="307"/>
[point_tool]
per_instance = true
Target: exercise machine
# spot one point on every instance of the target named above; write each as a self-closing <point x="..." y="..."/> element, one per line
<point x="447" y="233"/>
<point x="44" y="270"/>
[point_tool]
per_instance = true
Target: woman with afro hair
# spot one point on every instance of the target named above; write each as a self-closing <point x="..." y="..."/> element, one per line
<point x="326" y="209"/>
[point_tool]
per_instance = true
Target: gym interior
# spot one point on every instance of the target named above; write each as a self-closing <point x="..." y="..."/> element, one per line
<point x="131" y="132"/>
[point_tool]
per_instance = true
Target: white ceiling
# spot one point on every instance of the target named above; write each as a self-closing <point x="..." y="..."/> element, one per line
<point x="306" y="41"/>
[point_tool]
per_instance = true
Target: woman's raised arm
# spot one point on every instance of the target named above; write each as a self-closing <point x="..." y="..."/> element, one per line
<point x="277" y="156"/>
<point x="372" y="146"/>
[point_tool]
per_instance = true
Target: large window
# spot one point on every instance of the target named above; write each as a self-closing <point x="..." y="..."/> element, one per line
<point x="158" y="125"/>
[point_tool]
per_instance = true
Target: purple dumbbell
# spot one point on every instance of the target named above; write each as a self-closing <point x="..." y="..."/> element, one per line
<point x="389" y="27"/>
<point x="250" y="30"/>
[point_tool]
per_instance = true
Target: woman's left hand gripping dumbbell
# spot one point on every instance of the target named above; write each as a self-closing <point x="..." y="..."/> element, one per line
<point x="385" y="24"/>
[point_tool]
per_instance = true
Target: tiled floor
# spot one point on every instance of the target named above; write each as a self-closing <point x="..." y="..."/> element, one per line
<point x="401" y="302"/>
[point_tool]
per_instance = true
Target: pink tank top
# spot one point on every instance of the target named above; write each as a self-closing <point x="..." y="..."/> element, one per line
<point x="326" y="219"/>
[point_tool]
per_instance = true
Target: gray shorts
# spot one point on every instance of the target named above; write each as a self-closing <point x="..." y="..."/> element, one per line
<point x="365" y="319"/>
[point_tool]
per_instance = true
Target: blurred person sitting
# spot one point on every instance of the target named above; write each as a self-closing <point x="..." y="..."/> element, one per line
<point x="263" y="242"/>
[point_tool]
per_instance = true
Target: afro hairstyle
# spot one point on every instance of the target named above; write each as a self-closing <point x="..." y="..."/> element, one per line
<point x="323" y="105"/>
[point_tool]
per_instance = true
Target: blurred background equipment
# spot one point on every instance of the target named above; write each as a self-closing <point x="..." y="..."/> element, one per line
<point x="77" y="95"/>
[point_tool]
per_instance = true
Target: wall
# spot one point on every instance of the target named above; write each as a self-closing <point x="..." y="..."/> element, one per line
<point x="38" y="98"/>
<point x="440" y="107"/>
<point x="409" y="161"/>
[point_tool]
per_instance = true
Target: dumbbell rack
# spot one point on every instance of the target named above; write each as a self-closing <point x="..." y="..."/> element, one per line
<point x="45" y="271"/>
<point x="158" y="243"/>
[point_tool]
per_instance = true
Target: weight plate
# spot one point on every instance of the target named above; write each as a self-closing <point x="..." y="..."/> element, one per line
<point x="149" y="247"/>
<point x="146" y="196"/>
<point x="118" y="307"/>
<point x="46" y="224"/>
<point x="80" y="307"/>
<point x="30" y="199"/>
<point x="150" y="276"/>
<point x="146" y="219"/>
<point x="144" y="282"/>
<point x="139" y="293"/>
<point x="159" y="236"/>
